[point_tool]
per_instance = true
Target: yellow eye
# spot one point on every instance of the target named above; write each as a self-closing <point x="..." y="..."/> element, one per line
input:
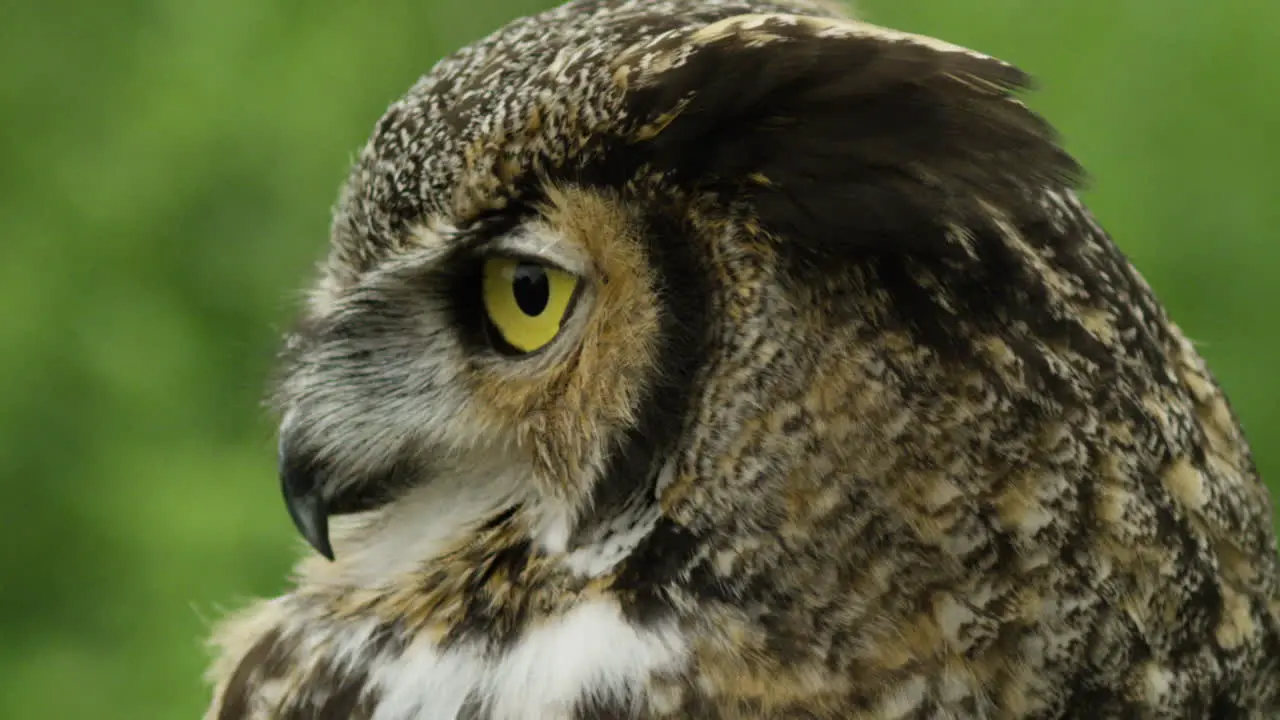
<point x="526" y="302"/>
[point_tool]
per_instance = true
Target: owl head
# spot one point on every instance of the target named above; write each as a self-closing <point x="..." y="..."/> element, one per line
<point x="580" y="256"/>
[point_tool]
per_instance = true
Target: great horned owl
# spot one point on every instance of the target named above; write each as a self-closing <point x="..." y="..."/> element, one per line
<point x="738" y="359"/>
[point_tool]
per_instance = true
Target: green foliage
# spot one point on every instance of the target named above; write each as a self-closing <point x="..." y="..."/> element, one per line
<point x="167" y="174"/>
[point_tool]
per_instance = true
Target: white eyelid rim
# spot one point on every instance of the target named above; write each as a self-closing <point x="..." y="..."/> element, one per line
<point x="545" y="244"/>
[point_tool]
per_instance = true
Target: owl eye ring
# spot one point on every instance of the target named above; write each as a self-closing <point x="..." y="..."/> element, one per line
<point x="525" y="302"/>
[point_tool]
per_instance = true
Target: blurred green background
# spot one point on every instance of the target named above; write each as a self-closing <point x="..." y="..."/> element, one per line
<point x="166" y="175"/>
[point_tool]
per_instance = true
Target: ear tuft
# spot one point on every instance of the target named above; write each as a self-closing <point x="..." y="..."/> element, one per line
<point x="838" y="131"/>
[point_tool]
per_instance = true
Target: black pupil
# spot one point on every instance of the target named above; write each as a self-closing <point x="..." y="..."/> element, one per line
<point x="532" y="289"/>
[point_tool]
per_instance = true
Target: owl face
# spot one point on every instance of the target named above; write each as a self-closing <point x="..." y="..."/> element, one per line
<point x="522" y="347"/>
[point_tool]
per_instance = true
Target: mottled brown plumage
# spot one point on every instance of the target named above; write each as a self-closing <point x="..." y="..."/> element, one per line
<point x="856" y="413"/>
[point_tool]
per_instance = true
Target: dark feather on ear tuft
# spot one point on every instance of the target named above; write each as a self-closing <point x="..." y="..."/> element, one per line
<point x="849" y="136"/>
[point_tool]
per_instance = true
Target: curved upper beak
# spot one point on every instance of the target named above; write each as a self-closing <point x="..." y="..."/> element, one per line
<point x="304" y="496"/>
<point x="307" y="481"/>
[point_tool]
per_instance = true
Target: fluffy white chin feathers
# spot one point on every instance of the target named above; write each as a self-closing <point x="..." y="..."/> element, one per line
<point x="374" y="549"/>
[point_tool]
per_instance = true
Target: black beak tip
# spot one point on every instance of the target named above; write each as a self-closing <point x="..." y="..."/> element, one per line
<point x="312" y="520"/>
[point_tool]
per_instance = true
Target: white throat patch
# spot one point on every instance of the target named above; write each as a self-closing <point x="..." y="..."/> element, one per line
<point x="591" y="652"/>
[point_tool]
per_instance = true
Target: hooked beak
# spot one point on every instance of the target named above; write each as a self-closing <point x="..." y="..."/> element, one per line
<point x="306" y="481"/>
<point x="300" y="482"/>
